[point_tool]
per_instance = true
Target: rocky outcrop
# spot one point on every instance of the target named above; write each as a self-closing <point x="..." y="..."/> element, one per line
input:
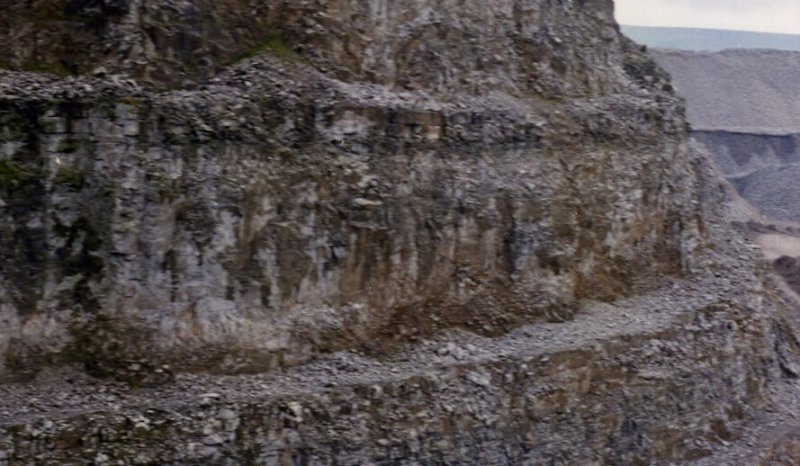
<point x="154" y="42"/>
<point x="384" y="182"/>
<point x="661" y="379"/>
<point x="411" y="43"/>
<point x="743" y="108"/>
<point x="279" y="211"/>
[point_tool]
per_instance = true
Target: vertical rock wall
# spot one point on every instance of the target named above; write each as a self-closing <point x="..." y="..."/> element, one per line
<point x="510" y="160"/>
<point x="465" y="232"/>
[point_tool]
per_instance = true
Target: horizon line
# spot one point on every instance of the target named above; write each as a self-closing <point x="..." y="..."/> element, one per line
<point x="707" y="28"/>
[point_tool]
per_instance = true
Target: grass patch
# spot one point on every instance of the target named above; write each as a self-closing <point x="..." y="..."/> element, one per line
<point x="12" y="175"/>
<point x="57" y="68"/>
<point x="274" y="44"/>
<point x="70" y="177"/>
<point x="68" y="146"/>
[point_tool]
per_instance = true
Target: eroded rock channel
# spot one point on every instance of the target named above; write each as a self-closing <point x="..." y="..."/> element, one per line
<point x="358" y="232"/>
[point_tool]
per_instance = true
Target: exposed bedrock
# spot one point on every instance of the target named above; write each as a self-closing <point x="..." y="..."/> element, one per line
<point x="661" y="379"/>
<point x="468" y="234"/>
<point x="547" y="45"/>
<point x="279" y="212"/>
<point x="292" y="226"/>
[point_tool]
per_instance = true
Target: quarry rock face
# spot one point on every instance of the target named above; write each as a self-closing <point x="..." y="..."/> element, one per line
<point x="279" y="211"/>
<point x="744" y="107"/>
<point x="382" y="182"/>
<point x="763" y="168"/>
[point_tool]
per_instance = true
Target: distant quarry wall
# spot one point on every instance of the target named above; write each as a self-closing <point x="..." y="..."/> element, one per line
<point x="744" y="106"/>
<point x="764" y="168"/>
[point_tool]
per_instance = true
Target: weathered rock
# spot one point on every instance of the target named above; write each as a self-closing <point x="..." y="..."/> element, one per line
<point x="677" y="375"/>
<point x="281" y="212"/>
<point x="509" y="181"/>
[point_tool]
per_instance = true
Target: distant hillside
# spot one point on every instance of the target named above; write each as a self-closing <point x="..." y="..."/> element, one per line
<point x="710" y="39"/>
<point x="752" y="91"/>
<point x="744" y="106"/>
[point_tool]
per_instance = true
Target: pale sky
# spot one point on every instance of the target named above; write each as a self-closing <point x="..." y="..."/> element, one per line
<point x="743" y="15"/>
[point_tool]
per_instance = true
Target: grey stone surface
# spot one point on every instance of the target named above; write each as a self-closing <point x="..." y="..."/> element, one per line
<point x="470" y="234"/>
<point x="743" y="105"/>
<point x="744" y="91"/>
<point x="743" y="108"/>
<point x="282" y="210"/>
<point x="764" y="169"/>
<point x="666" y="377"/>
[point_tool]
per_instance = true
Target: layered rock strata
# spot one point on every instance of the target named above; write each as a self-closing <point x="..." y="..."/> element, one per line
<point x="665" y="378"/>
<point x="469" y="234"/>
<point x="279" y="212"/>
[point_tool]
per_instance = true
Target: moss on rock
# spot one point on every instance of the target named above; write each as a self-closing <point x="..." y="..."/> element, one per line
<point x="13" y="175"/>
<point x="70" y="177"/>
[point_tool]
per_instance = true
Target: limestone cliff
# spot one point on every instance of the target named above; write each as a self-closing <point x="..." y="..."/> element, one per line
<point x="439" y="232"/>
<point x="479" y="167"/>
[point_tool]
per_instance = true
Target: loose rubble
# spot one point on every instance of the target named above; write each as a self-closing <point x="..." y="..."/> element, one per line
<point x="467" y="235"/>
